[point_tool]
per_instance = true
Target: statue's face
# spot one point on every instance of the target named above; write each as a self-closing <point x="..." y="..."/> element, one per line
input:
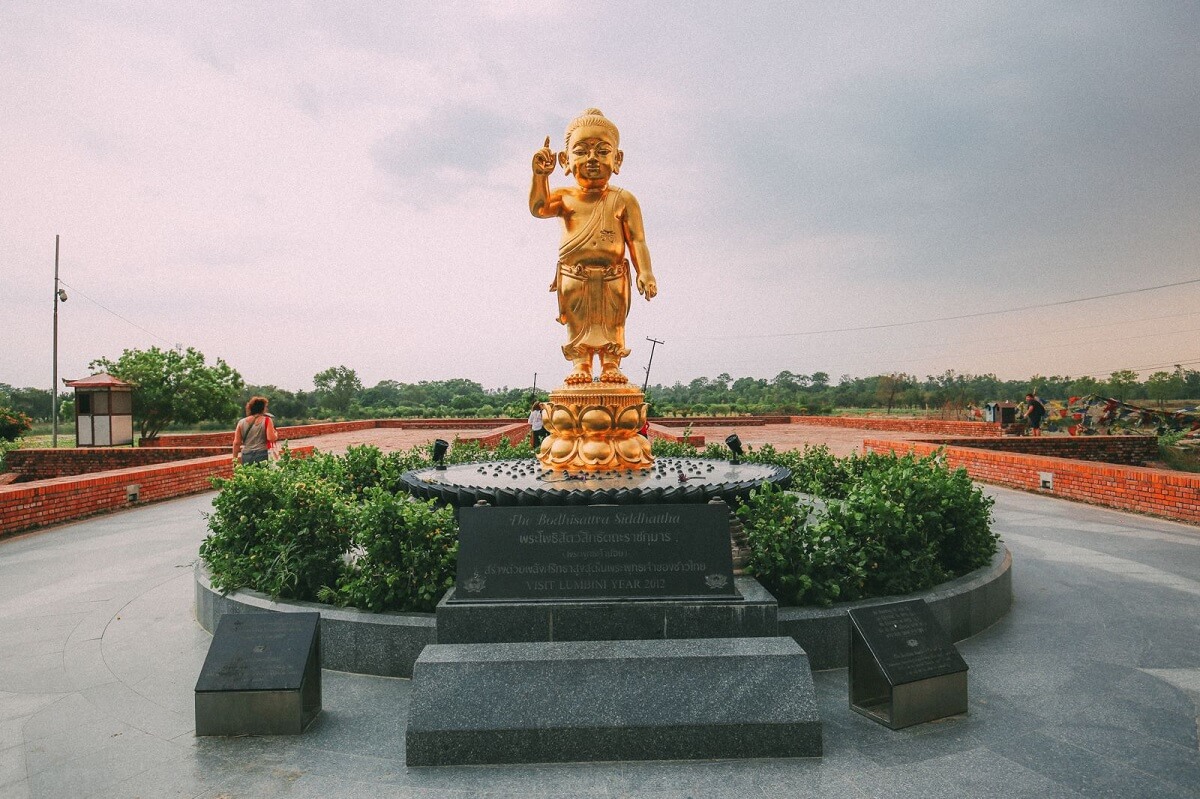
<point x="592" y="156"/>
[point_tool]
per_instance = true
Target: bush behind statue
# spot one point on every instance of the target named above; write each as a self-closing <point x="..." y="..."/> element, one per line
<point x="339" y="529"/>
<point x="282" y="532"/>
<point x="891" y="525"/>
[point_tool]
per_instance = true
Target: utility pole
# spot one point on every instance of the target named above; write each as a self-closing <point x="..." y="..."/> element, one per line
<point x="54" y="379"/>
<point x="653" y="343"/>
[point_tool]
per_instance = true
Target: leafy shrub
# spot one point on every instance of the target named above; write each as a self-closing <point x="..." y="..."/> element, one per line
<point x="339" y="529"/>
<point x="13" y="424"/>
<point x="280" y="531"/>
<point x="892" y="525"/>
<point x="798" y="562"/>
<point x="405" y="554"/>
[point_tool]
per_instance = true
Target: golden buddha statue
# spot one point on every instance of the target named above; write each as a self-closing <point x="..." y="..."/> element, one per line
<point x="600" y="222"/>
<point x="593" y="426"/>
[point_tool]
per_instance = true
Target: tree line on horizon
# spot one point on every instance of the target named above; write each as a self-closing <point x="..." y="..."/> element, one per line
<point x="177" y="388"/>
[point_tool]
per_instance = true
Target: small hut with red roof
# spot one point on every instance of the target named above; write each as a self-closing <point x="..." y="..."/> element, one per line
<point x="103" y="411"/>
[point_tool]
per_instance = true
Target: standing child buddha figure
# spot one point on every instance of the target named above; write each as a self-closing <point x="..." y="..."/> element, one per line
<point x="600" y="223"/>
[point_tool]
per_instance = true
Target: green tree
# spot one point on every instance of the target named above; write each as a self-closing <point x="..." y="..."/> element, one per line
<point x="1191" y="382"/>
<point x="1122" y="383"/>
<point x="33" y="402"/>
<point x="385" y="393"/>
<point x="175" y="386"/>
<point x="337" y="387"/>
<point x="1162" y="386"/>
<point x="1083" y="386"/>
<point x="889" y="386"/>
<point x="294" y="406"/>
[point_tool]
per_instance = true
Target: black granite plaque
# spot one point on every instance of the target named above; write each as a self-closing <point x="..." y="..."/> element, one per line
<point x="906" y="641"/>
<point x="262" y="675"/>
<point x="608" y="552"/>
<point x="259" y="652"/>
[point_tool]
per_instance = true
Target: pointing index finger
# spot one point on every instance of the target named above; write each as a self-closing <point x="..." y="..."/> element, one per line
<point x="547" y="144"/>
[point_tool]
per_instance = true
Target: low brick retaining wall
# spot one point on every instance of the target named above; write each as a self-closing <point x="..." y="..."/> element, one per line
<point x="45" y="463"/>
<point x="292" y="432"/>
<point x="490" y="439"/>
<point x="225" y="438"/>
<point x="720" y="421"/>
<point x="1128" y="450"/>
<point x="973" y="429"/>
<point x="25" y="506"/>
<point x="658" y="431"/>
<point x="1157" y="492"/>
<point x="446" y="424"/>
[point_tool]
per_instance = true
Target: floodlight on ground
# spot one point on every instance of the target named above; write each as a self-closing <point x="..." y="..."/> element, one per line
<point x="440" y="447"/>
<point x="735" y="447"/>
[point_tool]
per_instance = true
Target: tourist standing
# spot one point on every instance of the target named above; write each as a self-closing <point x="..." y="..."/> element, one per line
<point x="255" y="434"/>
<point x="538" y="425"/>
<point x="1035" y="412"/>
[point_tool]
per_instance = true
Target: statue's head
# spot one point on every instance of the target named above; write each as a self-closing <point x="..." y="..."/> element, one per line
<point x="592" y="153"/>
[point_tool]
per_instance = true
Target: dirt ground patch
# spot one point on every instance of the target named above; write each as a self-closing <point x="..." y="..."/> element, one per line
<point x="386" y="439"/>
<point x="840" y="440"/>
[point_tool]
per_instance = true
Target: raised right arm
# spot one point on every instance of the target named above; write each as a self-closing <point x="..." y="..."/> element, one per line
<point x="542" y="203"/>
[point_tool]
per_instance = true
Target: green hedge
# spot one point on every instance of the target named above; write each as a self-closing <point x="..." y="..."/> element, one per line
<point x="891" y="525"/>
<point x="339" y="529"/>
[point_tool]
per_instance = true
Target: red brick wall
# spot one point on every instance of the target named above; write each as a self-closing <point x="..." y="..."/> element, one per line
<point x="225" y="439"/>
<point x="1158" y="492"/>
<point x="445" y="424"/>
<point x="320" y="429"/>
<point x="1129" y="450"/>
<point x="42" y="464"/>
<point x="490" y="439"/>
<point x="24" y="506"/>
<point x="906" y="425"/>
<point x="660" y="431"/>
<point x="190" y="440"/>
<point x="720" y="421"/>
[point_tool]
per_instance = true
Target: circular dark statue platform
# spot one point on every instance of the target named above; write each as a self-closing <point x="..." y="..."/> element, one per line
<point x="526" y="482"/>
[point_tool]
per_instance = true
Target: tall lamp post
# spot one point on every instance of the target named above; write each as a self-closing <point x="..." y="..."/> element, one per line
<point x="60" y="295"/>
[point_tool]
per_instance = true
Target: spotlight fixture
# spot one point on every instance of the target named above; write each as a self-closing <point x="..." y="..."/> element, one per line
<point x="62" y="295"/>
<point x="440" y="446"/>
<point x="735" y="447"/>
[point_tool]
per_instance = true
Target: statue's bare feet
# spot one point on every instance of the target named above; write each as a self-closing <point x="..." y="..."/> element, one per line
<point x="582" y="373"/>
<point x="612" y="374"/>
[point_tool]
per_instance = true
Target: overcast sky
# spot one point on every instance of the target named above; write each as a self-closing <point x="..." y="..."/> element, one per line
<point x="292" y="186"/>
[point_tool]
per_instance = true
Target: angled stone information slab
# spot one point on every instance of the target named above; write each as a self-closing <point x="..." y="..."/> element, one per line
<point x="612" y="700"/>
<point x="904" y="669"/>
<point x="603" y="552"/>
<point x="262" y="675"/>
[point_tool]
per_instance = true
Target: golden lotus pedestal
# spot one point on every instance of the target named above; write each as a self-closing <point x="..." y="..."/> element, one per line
<point x="594" y="428"/>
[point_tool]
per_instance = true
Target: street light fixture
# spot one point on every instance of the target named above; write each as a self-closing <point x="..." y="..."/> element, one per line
<point x="440" y="446"/>
<point x="735" y="448"/>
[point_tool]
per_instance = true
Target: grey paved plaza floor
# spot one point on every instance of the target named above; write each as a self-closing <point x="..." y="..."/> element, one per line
<point x="1089" y="687"/>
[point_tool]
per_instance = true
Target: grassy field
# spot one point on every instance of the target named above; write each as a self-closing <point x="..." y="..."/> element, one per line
<point x="66" y="440"/>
